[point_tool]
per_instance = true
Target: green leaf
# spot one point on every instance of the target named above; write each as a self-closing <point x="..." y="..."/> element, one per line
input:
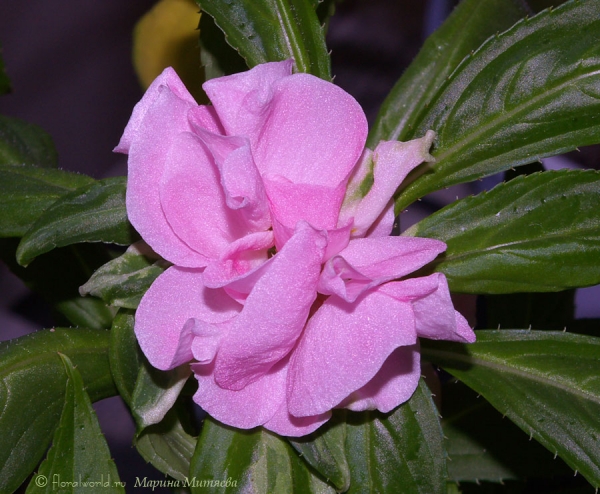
<point x="42" y="277"/>
<point x="123" y="281"/>
<point x="545" y="382"/>
<point x="271" y="30"/>
<point x="254" y="461"/>
<point x="167" y="445"/>
<point x="79" y="455"/>
<point x="528" y="93"/>
<point x="484" y="446"/>
<point x="399" y="452"/>
<point x="155" y="393"/>
<point x="536" y="233"/>
<point x="93" y="213"/>
<point x="217" y="57"/>
<point x="27" y="191"/>
<point x="22" y="143"/>
<point x="325" y="451"/>
<point x="469" y="25"/>
<point x="32" y="392"/>
<point x="124" y="354"/>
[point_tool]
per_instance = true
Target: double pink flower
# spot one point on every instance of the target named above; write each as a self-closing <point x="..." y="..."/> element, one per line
<point x="282" y="294"/>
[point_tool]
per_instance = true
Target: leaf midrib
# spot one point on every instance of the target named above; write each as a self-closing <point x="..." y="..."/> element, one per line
<point x="506" y="369"/>
<point x="501" y="118"/>
<point x="525" y="241"/>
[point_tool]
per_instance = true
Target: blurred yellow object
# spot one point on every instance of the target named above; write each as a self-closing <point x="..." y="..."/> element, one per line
<point x="168" y="36"/>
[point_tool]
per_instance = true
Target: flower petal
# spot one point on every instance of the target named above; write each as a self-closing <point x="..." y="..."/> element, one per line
<point x="242" y="100"/>
<point x="243" y="186"/>
<point x="147" y="162"/>
<point x="162" y="324"/>
<point x="392" y="161"/>
<point x="168" y="80"/>
<point x="240" y="257"/>
<point x="285" y="424"/>
<point x="193" y="200"/>
<point x="274" y="313"/>
<point x="369" y="262"/>
<point x="435" y="316"/>
<point x="343" y="347"/>
<point x="246" y="408"/>
<point x="394" y="384"/>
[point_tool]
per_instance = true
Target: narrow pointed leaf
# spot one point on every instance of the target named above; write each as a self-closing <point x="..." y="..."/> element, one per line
<point x="94" y="213"/>
<point x="32" y="392"/>
<point x="271" y="30"/>
<point x="399" y="452"/>
<point x="79" y="455"/>
<point x="22" y="143"/>
<point x="217" y="56"/>
<point x="123" y="281"/>
<point x="27" y="191"/>
<point x="469" y="25"/>
<point x="324" y="450"/>
<point x="546" y="382"/>
<point x="248" y="462"/>
<point x="530" y="92"/>
<point x="536" y="233"/>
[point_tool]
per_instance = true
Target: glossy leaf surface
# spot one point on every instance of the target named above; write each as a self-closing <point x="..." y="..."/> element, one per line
<point x="79" y="455"/>
<point x="535" y="233"/>
<point x="469" y="25"/>
<point x="548" y="383"/>
<point x="272" y="30"/>
<point x="94" y="213"/>
<point x="27" y="191"/>
<point x="398" y="452"/>
<point x="530" y="92"/>
<point x="32" y="392"/>
<point x="325" y="451"/>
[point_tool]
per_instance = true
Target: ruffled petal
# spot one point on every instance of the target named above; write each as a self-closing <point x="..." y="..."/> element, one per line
<point x="392" y="161"/>
<point x="284" y="424"/>
<point x="394" y="384"/>
<point x="369" y="262"/>
<point x="343" y="347"/>
<point x="240" y="257"/>
<point x="169" y="81"/>
<point x="193" y="200"/>
<point x="274" y="313"/>
<point x="246" y="408"/>
<point x="243" y="187"/>
<point x="435" y="316"/>
<point x="147" y="161"/>
<point x="242" y="100"/>
<point x="162" y="321"/>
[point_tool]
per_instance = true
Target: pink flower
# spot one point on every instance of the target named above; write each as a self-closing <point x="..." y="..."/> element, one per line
<point x="284" y="294"/>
